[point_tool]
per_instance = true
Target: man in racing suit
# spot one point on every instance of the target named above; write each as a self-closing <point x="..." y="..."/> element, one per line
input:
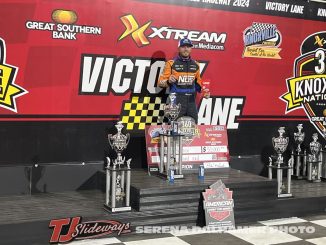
<point x="182" y="76"/>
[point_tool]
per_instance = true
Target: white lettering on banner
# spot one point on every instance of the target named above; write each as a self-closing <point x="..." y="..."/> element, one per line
<point x="190" y="158"/>
<point x="153" y="149"/>
<point x="191" y="149"/>
<point x="297" y="9"/>
<point x="220" y="111"/>
<point x="165" y="32"/>
<point x="117" y="86"/>
<point x="221" y="203"/>
<point x="321" y="12"/>
<point x="215" y="149"/>
<point x="216" y="165"/>
<point x="101" y="74"/>
<point x="63" y="31"/>
<point x="284" y="7"/>
<point x="64" y="35"/>
<point x="42" y="26"/>
<point x="221" y="2"/>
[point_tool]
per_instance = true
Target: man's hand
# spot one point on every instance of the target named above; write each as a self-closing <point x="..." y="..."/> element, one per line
<point x="172" y="79"/>
<point x="206" y="93"/>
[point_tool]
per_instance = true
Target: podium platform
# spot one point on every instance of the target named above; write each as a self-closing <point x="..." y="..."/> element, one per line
<point x="157" y="202"/>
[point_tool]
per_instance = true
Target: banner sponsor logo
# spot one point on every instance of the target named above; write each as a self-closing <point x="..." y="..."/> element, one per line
<point x="9" y="90"/>
<point x="262" y="40"/>
<point x="63" y="25"/>
<point x="189" y="129"/>
<point x="218" y="205"/>
<point x="68" y="229"/>
<point x="307" y="87"/>
<point x="201" y="39"/>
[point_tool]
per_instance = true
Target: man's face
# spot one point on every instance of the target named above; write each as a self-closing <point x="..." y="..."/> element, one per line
<point x="185" y="51"/>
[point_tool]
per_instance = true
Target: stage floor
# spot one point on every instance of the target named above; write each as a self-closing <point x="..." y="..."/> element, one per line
<point x="89" y="203"/>
<point x="161" y="203"/>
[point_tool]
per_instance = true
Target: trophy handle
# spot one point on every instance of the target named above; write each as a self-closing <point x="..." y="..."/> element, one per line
<point x="128" y="163"/>
<point x="110" y="140"/>
<point x="270" y="161"/>
<point x="128" y="139"/>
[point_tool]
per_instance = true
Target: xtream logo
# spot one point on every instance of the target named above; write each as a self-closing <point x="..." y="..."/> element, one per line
<point x="105" y="74"/>
<point x="200" y="39"/>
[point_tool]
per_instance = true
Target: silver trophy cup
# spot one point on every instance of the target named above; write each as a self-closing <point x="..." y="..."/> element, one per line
<point x="280" y="145"/>
<point x="172" y="110"/>
<point x="119" y="143"/>
<point x="315" y="148"/>
<point x="299" y="137"/>
<point x="314" y="160"/>
<point x="118" y="179"/>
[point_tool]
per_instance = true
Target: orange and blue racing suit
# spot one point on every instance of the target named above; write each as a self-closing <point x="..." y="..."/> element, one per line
<point x="187" y="73"/>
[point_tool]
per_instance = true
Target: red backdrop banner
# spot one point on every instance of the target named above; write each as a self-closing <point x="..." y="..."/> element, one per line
<point x="85" y="58"/>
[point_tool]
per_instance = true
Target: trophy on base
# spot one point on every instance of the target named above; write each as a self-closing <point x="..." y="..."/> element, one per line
<point x="172" y="169"/>
<point x="314" y="160"/>
<point x="323" y="164"/>
<point x="280" y="144"/>
<point x="117" y="195"/>
<point x="299" y="156"/>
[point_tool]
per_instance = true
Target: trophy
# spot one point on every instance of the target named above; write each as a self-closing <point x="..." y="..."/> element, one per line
<point x="299" y="137"/>
<point x="118" y="178"/>
<point x="315" y="148"/>
<point x="173" y="168"/>
<point x="171" y="112"/>
<point x="119" y="143"/>
<point x="298" y="156"/>
<point x="280" y="144"/>
<point x="314" y="160"/>
<point x="323" y="164"/>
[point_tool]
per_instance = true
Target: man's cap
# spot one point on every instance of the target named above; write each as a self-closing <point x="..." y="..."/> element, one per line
<point x="185" y="42"/>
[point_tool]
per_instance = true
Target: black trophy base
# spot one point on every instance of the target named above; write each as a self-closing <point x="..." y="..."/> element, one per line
<point x="167" y="177"/>
<point x="116" y="209"/>
<point x="300" y="177"/>
<point x="315" y="180"/>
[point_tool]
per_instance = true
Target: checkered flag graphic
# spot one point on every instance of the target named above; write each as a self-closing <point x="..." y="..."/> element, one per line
<point x="141" y="111"/>
<point x="256" y="27"/>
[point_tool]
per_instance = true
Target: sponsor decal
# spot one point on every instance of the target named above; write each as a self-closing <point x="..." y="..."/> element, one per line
<point x="9" y="90"/>
<point x="219" y="215"/>
<point x="307" y="88"/>
<point x="200" y="39"/>
<point x="63" y="25"/>
<point x="68" y="229"/>
<point x="189" y="129"/>
<point x="262" y="40"/>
